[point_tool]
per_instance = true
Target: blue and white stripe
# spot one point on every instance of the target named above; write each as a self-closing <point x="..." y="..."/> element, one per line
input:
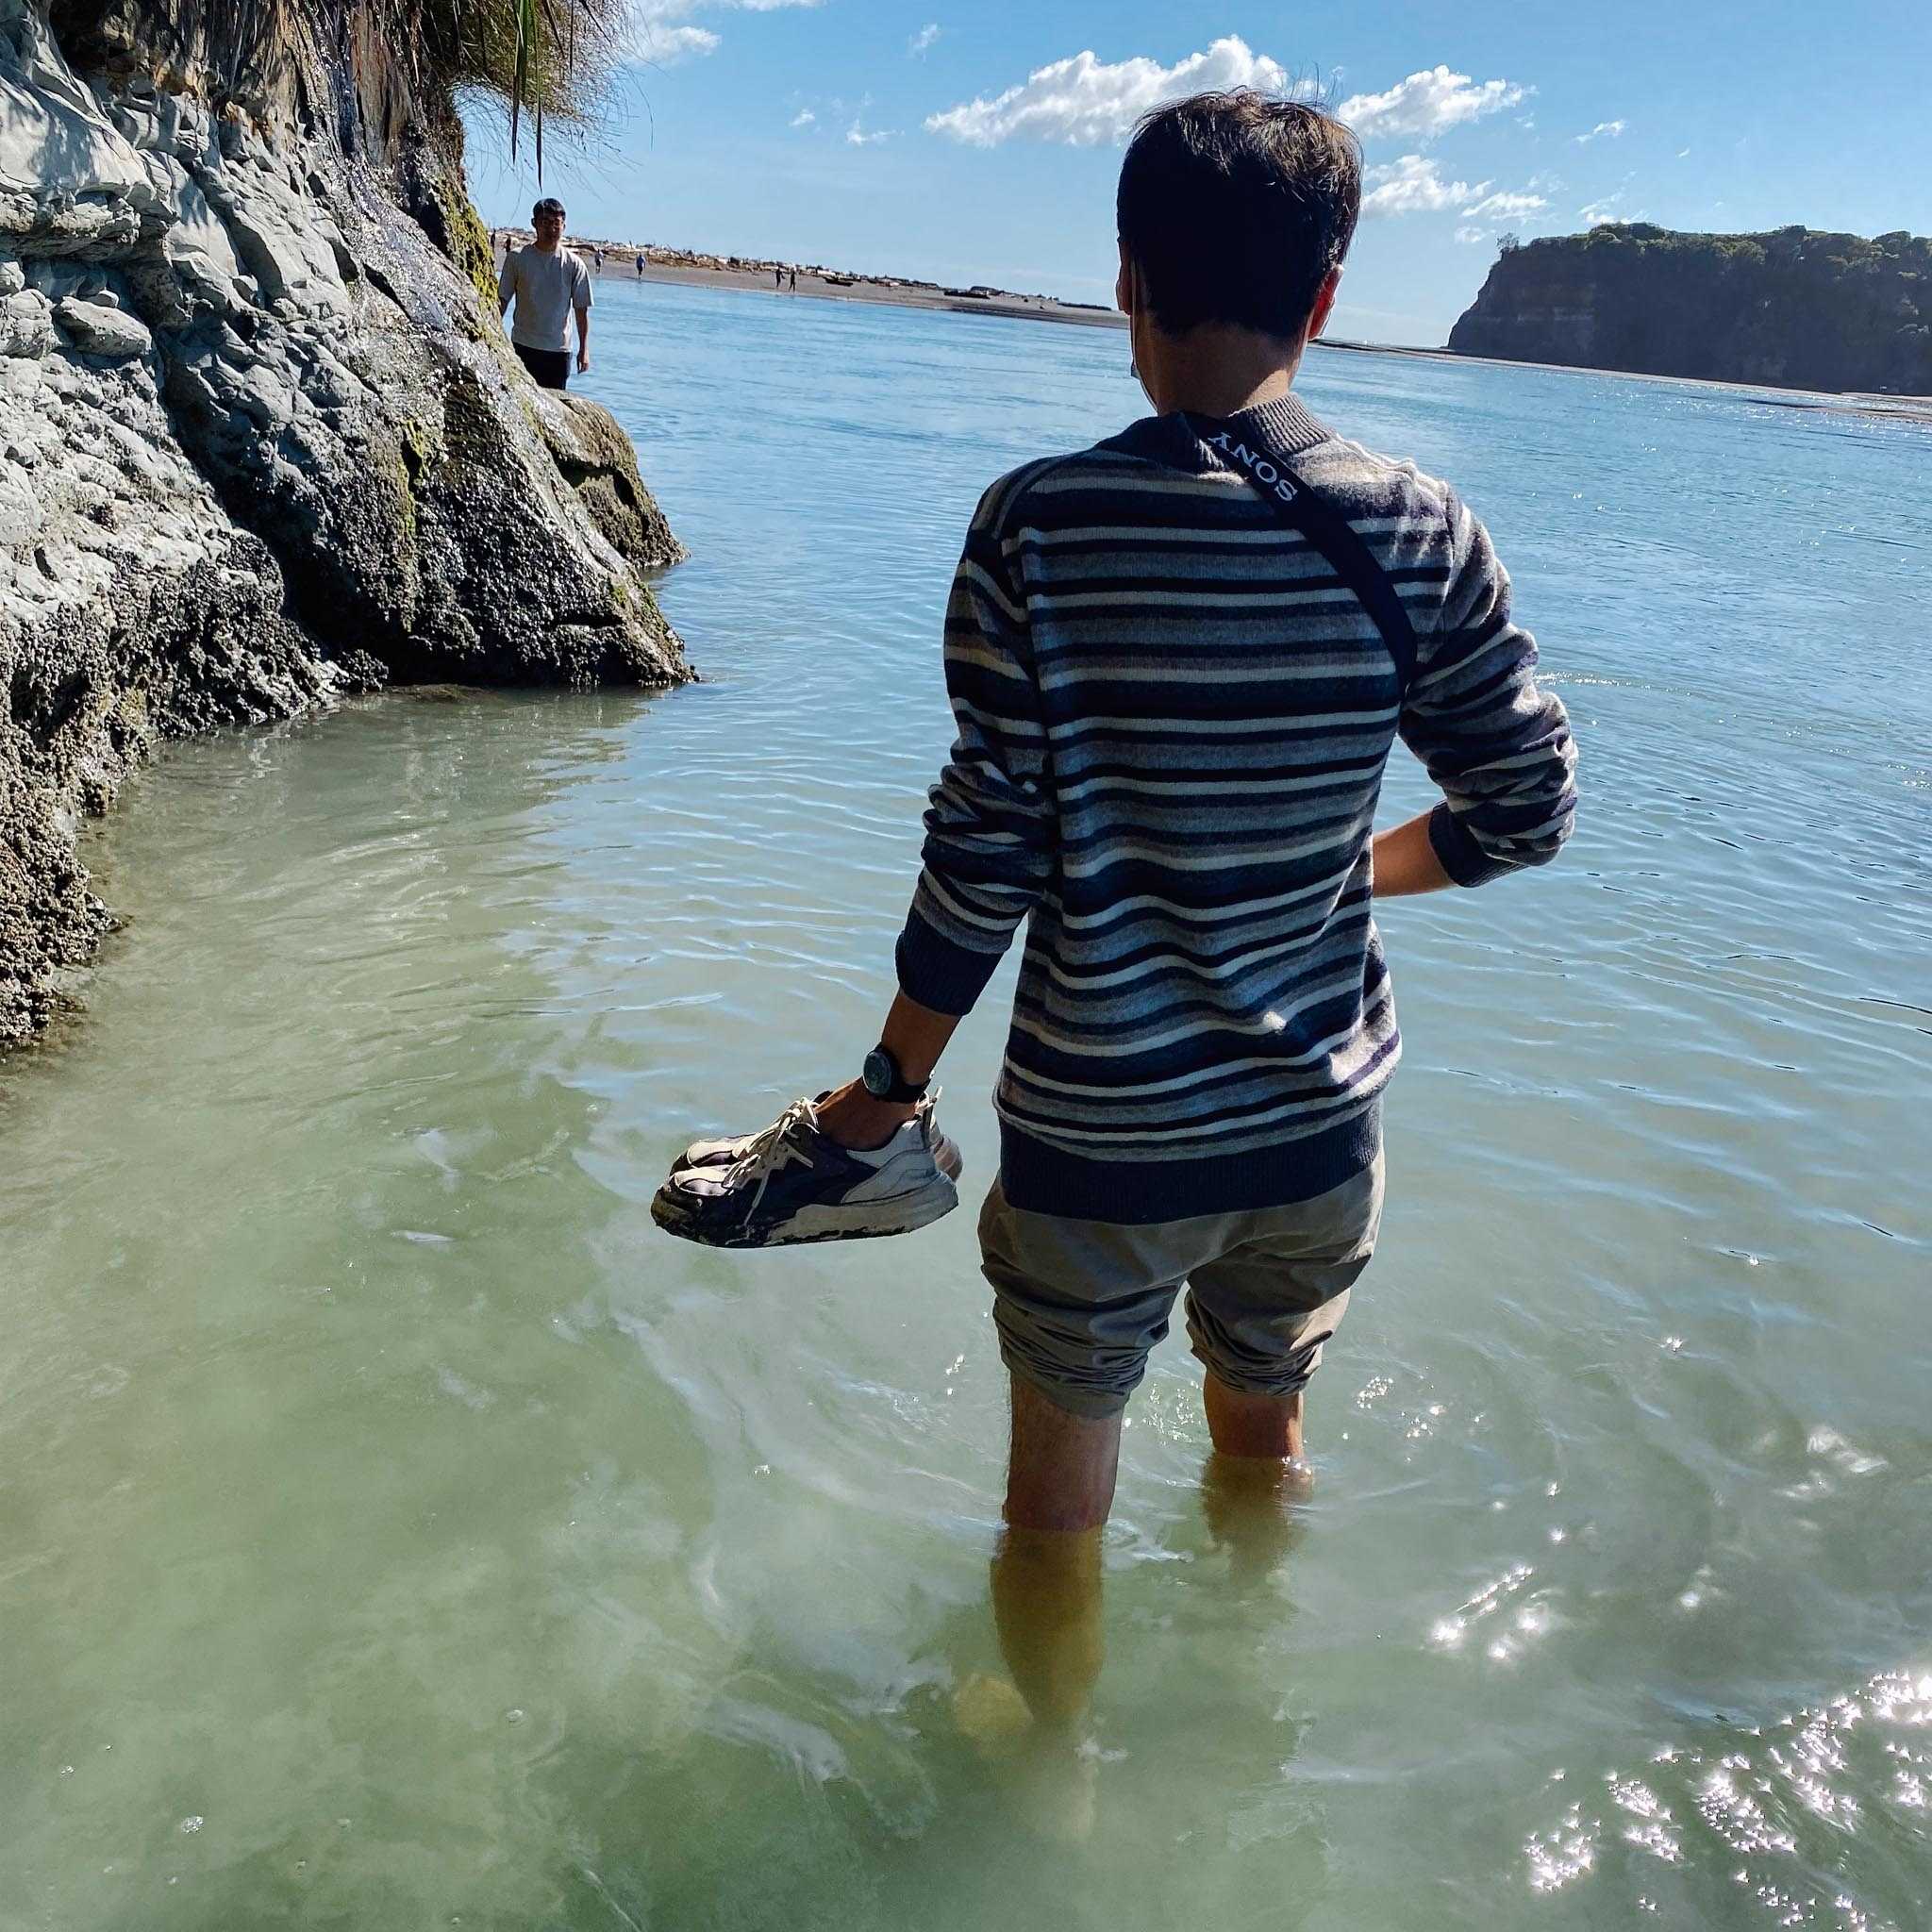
<point x="1173" y="723"/>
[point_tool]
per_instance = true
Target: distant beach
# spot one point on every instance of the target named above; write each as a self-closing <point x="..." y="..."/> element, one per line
<point x="691" y="269"/>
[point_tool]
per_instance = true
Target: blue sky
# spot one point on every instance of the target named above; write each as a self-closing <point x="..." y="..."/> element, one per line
<point x="981" y="142"/>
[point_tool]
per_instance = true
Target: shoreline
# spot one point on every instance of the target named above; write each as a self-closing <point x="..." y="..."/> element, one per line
<point x="1840" y="402"/>
<point x="878" y="291"/>
<point x="681" y="269"/>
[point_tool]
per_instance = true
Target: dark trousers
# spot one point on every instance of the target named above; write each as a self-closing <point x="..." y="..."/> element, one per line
<point x="551" y="367"/>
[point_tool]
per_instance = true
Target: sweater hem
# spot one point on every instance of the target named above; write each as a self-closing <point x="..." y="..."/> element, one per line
<point x="938" y="972"/>
<point x="1039" y="1179"/>
<point x="1462" y="858"/>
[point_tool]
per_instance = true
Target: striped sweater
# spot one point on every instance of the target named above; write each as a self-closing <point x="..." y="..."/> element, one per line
<point x="1173" y="717"/>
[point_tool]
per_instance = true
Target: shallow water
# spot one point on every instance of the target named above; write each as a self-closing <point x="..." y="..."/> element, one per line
<point x="396" y="1531"/>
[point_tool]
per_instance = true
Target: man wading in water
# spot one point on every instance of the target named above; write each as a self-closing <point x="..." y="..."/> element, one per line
<point x="1178" y="663"/>
<point x="549" y="283"/>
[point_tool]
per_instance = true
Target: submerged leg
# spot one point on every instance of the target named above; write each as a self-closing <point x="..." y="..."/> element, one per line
<point x="1047" y="1571"/>
<point x="1046" y="1603"/>
<point x="1254" y="1477"/>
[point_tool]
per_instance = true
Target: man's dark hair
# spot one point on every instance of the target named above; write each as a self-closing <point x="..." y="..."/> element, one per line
<point x="1235" y="206"/>
<point x="548" y="206"/>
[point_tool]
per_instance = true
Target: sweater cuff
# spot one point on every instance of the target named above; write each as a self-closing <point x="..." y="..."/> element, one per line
<point x="938" y="974"/>
<point x="1463" y="859"/>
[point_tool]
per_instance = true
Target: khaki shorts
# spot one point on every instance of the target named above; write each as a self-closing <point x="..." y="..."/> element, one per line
<point x="1079" y="1303"/>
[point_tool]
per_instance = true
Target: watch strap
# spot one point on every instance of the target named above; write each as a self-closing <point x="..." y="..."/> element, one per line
<point x="901" y="1092"/>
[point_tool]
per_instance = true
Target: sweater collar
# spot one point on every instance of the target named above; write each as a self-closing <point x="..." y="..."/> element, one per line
<point x="1282" y="425"/>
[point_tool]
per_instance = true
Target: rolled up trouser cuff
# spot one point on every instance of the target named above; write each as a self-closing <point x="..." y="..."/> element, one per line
<point x="1222" y="1354"/>
<point x="1090" y="1402"/>
<point x="1081" y="1304"/>
<point x="1084" y="1360"/>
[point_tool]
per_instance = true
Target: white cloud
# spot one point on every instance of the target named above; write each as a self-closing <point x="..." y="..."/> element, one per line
<point x="659" y="29"/>
<point x="1429" y="102"/>
<point x="1599" y="213"/>
<point x="1086" y="102"/>
<point x="859" y="137"/>
<point x="1683" y="154"/>
<point x="1411" y="185"/>
<point x="804" y="118"/>
<point x="1468" y="235"/>
<point x="923" y="38"/>
<point x="1604" y="130"/>
<point x="1511" y="205"/>
<point x="666" y="45"/>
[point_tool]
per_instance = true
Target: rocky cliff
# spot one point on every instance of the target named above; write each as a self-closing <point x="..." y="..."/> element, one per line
<point x="1793" y="308"/>
<point x="261" y="441"/>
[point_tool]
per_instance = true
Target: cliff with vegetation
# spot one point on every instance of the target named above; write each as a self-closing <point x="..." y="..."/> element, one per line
<point x="1794" y="307"/>
<point x="261" y="440"/>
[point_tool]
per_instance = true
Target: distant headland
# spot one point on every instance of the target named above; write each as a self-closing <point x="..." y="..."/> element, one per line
<point x="1791" y="309"/>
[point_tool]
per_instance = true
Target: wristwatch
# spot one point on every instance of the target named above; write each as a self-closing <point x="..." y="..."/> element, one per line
<point x="883" y="1080"/>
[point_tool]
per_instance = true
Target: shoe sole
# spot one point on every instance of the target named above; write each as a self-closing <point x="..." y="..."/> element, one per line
<point x="854" y="1221"/>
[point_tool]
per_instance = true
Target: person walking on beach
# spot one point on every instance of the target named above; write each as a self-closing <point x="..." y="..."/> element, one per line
<point x="641" y="264"/>
<point x="549" y="285"/>
<point x="792" y="280"/>
<point x="1178" y="663"/>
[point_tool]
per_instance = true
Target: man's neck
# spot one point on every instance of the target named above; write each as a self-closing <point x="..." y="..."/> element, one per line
<point x="543" y="247"/>
<point x="1215" y="371"/>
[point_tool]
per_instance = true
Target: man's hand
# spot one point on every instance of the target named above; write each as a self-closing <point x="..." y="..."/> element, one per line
<point x="583" y="362"/>
<point x="915" y="1035"/>
<point x="852" y="1118"/>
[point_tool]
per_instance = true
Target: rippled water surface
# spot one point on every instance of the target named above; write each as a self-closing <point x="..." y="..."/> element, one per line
<point x="396" y="1531"/>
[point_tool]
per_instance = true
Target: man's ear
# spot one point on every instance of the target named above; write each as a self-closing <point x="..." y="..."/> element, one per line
<point x="1123" y="285"/>
<point x="1324" y="302"/>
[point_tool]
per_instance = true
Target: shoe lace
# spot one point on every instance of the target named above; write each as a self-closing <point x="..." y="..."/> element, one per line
<point x="770" y="1152"/>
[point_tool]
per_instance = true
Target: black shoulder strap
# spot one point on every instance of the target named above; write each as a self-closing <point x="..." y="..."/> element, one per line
<point x="1303" y="508"/>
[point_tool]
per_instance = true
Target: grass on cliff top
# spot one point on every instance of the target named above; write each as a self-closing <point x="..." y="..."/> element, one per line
<point x="543" y="59"/>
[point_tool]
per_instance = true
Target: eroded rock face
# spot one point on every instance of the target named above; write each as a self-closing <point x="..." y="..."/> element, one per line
<point x="1791" y="306"/>
<point x="260" y="441"/>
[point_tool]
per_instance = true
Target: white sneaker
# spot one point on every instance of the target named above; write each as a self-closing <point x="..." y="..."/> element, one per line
<point x="790" y="1184"/>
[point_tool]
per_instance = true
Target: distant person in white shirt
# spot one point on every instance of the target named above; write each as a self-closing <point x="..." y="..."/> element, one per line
<point x="548" y="283"/>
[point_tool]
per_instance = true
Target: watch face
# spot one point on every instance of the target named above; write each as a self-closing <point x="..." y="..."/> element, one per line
<point x="878" y="1072"/>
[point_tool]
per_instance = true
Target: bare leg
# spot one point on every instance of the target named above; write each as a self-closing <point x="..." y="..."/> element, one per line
<point x="1254" y="1476"/>
<point x="1258" y="1426"/>
<point x="1063" y="1467"/>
